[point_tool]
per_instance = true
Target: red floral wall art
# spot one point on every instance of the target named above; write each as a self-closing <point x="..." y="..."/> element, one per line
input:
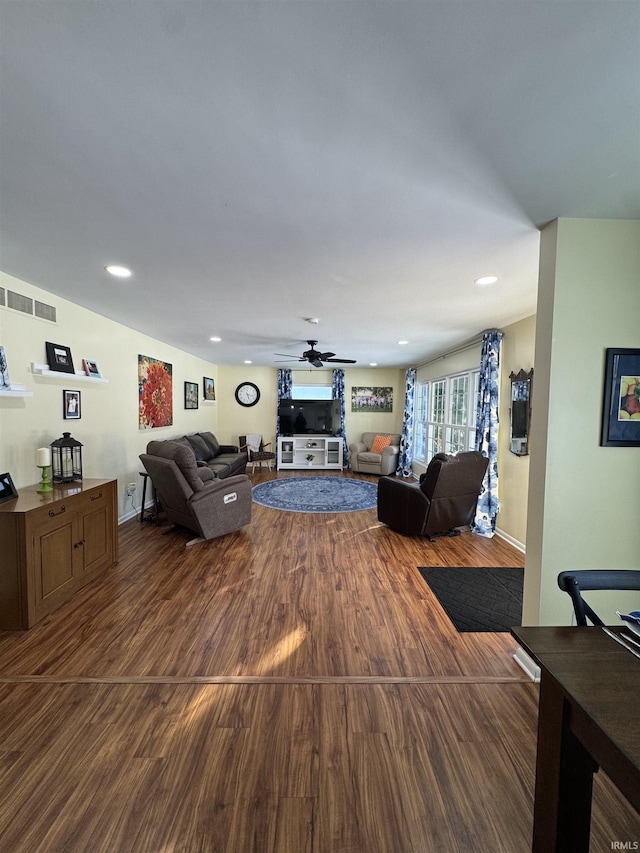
<point x="155" y="393"/>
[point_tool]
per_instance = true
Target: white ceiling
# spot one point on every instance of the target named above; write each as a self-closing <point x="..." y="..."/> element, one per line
<point x="258" y="163"/>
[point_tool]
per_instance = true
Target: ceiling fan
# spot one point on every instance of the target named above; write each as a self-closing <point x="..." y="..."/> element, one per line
<point x="316" y="358"/>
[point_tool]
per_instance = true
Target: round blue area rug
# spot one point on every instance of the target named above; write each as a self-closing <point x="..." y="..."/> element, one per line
<point x="316" y="494"/>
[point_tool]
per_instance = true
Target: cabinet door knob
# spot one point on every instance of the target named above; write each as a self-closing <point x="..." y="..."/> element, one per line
<point x="95" y="497"/>
<point x="52" y="512"/>
<point x="79" y="544"/>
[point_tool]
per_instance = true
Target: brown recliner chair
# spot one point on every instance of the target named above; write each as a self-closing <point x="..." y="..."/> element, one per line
<point x="192" y="496"/>
<point x="444" y="499"/>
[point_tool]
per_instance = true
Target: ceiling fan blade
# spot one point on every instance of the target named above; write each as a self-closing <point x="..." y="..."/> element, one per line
<point x="341" y="360"/>
<point x="288" y="355"/>
<point x="316" y="362"/>
<point x="325" y="356"/>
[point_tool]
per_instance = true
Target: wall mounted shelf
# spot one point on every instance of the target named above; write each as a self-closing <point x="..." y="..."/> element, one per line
<point x="78" y="376"/>
<point x="16" y="391"/>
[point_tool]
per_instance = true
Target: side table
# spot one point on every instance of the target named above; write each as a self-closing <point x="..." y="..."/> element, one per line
<point x="155" y="516"/>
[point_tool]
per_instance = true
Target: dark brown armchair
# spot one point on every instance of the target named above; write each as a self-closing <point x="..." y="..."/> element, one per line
<point x="444" y="499"/>
<point x="192" y="496"/>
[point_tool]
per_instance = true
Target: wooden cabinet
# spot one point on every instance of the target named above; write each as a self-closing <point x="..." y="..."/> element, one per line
<point x="52" y="545"/>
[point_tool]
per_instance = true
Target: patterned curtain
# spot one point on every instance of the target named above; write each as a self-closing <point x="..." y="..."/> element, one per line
<point x="337" y="392"/>
<point x="405" y="457"/>
<point x="484" y="523"/>
<point x="285" y="387"/>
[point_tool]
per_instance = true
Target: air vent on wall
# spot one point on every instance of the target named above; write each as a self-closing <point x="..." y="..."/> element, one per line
<point x="19" y="302"/>
<point x="25" y="305"/>
<point x="45" y="312"/>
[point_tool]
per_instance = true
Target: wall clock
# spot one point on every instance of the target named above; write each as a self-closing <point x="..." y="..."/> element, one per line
<point x="247" y="394"/>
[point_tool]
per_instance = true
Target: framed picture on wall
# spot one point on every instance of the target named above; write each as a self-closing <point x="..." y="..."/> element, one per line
<point x="4" y="370"/>
<point x="371" y="399"/>
<point x="71" y="405"/>
<point x="191" y="395"/>
<point x="91" y="368"/>
<point x="621" y="403"/>
<point x="208" y="388"/>
<point x="155" y="393"/>
<point x="59" y="358"/>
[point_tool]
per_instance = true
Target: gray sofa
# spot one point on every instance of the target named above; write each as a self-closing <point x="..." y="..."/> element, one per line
<point x="192" y="496"/>
<point x="364" y="460"/>
<point x="223" y="460"/>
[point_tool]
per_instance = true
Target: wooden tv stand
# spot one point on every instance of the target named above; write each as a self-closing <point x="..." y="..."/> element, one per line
<point x="52" y="545"/>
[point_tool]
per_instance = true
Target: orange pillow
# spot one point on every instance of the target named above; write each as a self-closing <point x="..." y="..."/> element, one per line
<point x="380" y="442"/>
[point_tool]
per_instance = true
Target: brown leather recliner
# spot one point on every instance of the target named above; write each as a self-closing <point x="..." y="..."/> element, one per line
<point x="191" y="496"/>
<point x="444" y="499"/>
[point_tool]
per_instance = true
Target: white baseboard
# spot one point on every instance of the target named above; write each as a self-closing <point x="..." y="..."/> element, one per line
<point x="518" y="545"/>
<point x="527" y="664"/>
<point x="133" y="513"/>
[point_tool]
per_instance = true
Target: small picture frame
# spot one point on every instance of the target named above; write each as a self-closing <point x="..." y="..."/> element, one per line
<point x="91" y="368"/>
<point x="71" y="405"/>
<point x="8" y="491"/>
<point x="621" y="402"/>
<point x="5" y="383"/>
<point x="191" y="395"/>
<point x="208" y="389"/>
<point x="59" y="358"/>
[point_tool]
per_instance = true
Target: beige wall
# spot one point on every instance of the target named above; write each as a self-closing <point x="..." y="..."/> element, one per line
<point x="108" y="427"/>
<point x="235" y="420"/>
<point x="584" y="499"/>
<point x="383" y="422"/>
<point x="517" y="353"/>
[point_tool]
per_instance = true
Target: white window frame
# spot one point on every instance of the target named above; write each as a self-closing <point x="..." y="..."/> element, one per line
<point x="311" y="392"/>
<point x="444" y="414"/>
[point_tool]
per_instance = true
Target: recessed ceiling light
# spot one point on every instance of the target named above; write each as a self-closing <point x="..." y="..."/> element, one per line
<point x="403" y="343"/>
<point x="373" y="364"/>
<point x="215" y="339"/>
<point x="486" y="279"/>
<point x="118" y="270"/>
<point x="248" y="361"/>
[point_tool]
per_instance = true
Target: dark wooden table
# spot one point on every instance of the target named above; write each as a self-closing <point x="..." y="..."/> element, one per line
<point x="589" y="717"/>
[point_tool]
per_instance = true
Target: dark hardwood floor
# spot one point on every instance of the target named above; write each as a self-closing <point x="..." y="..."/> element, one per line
<point x="291" y="687"/>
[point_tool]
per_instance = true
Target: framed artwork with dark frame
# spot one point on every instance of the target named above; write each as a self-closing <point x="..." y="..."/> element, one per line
<point x="7" y="490"/>
<point x="59" y="358"/>
<point x="71" y="405"/>
<point x="621" y="403"/>
<point x="208" y="388"/>
<point x="191" y="395"/>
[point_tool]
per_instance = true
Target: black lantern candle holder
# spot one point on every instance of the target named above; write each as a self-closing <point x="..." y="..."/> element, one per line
<point x="66" y="459"/>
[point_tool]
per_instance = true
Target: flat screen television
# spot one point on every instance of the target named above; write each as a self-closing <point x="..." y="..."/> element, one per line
<point x="309" y="417"/>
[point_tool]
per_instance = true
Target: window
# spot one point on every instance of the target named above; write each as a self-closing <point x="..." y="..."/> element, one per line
<point x="444" y="416"/>
<point x="312" y="392"/>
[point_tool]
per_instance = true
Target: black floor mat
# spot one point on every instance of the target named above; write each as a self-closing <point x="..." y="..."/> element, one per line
<point x="478" y="599"/>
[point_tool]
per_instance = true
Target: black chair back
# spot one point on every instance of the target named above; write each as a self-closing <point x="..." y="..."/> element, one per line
<point x="575" y="582"/>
